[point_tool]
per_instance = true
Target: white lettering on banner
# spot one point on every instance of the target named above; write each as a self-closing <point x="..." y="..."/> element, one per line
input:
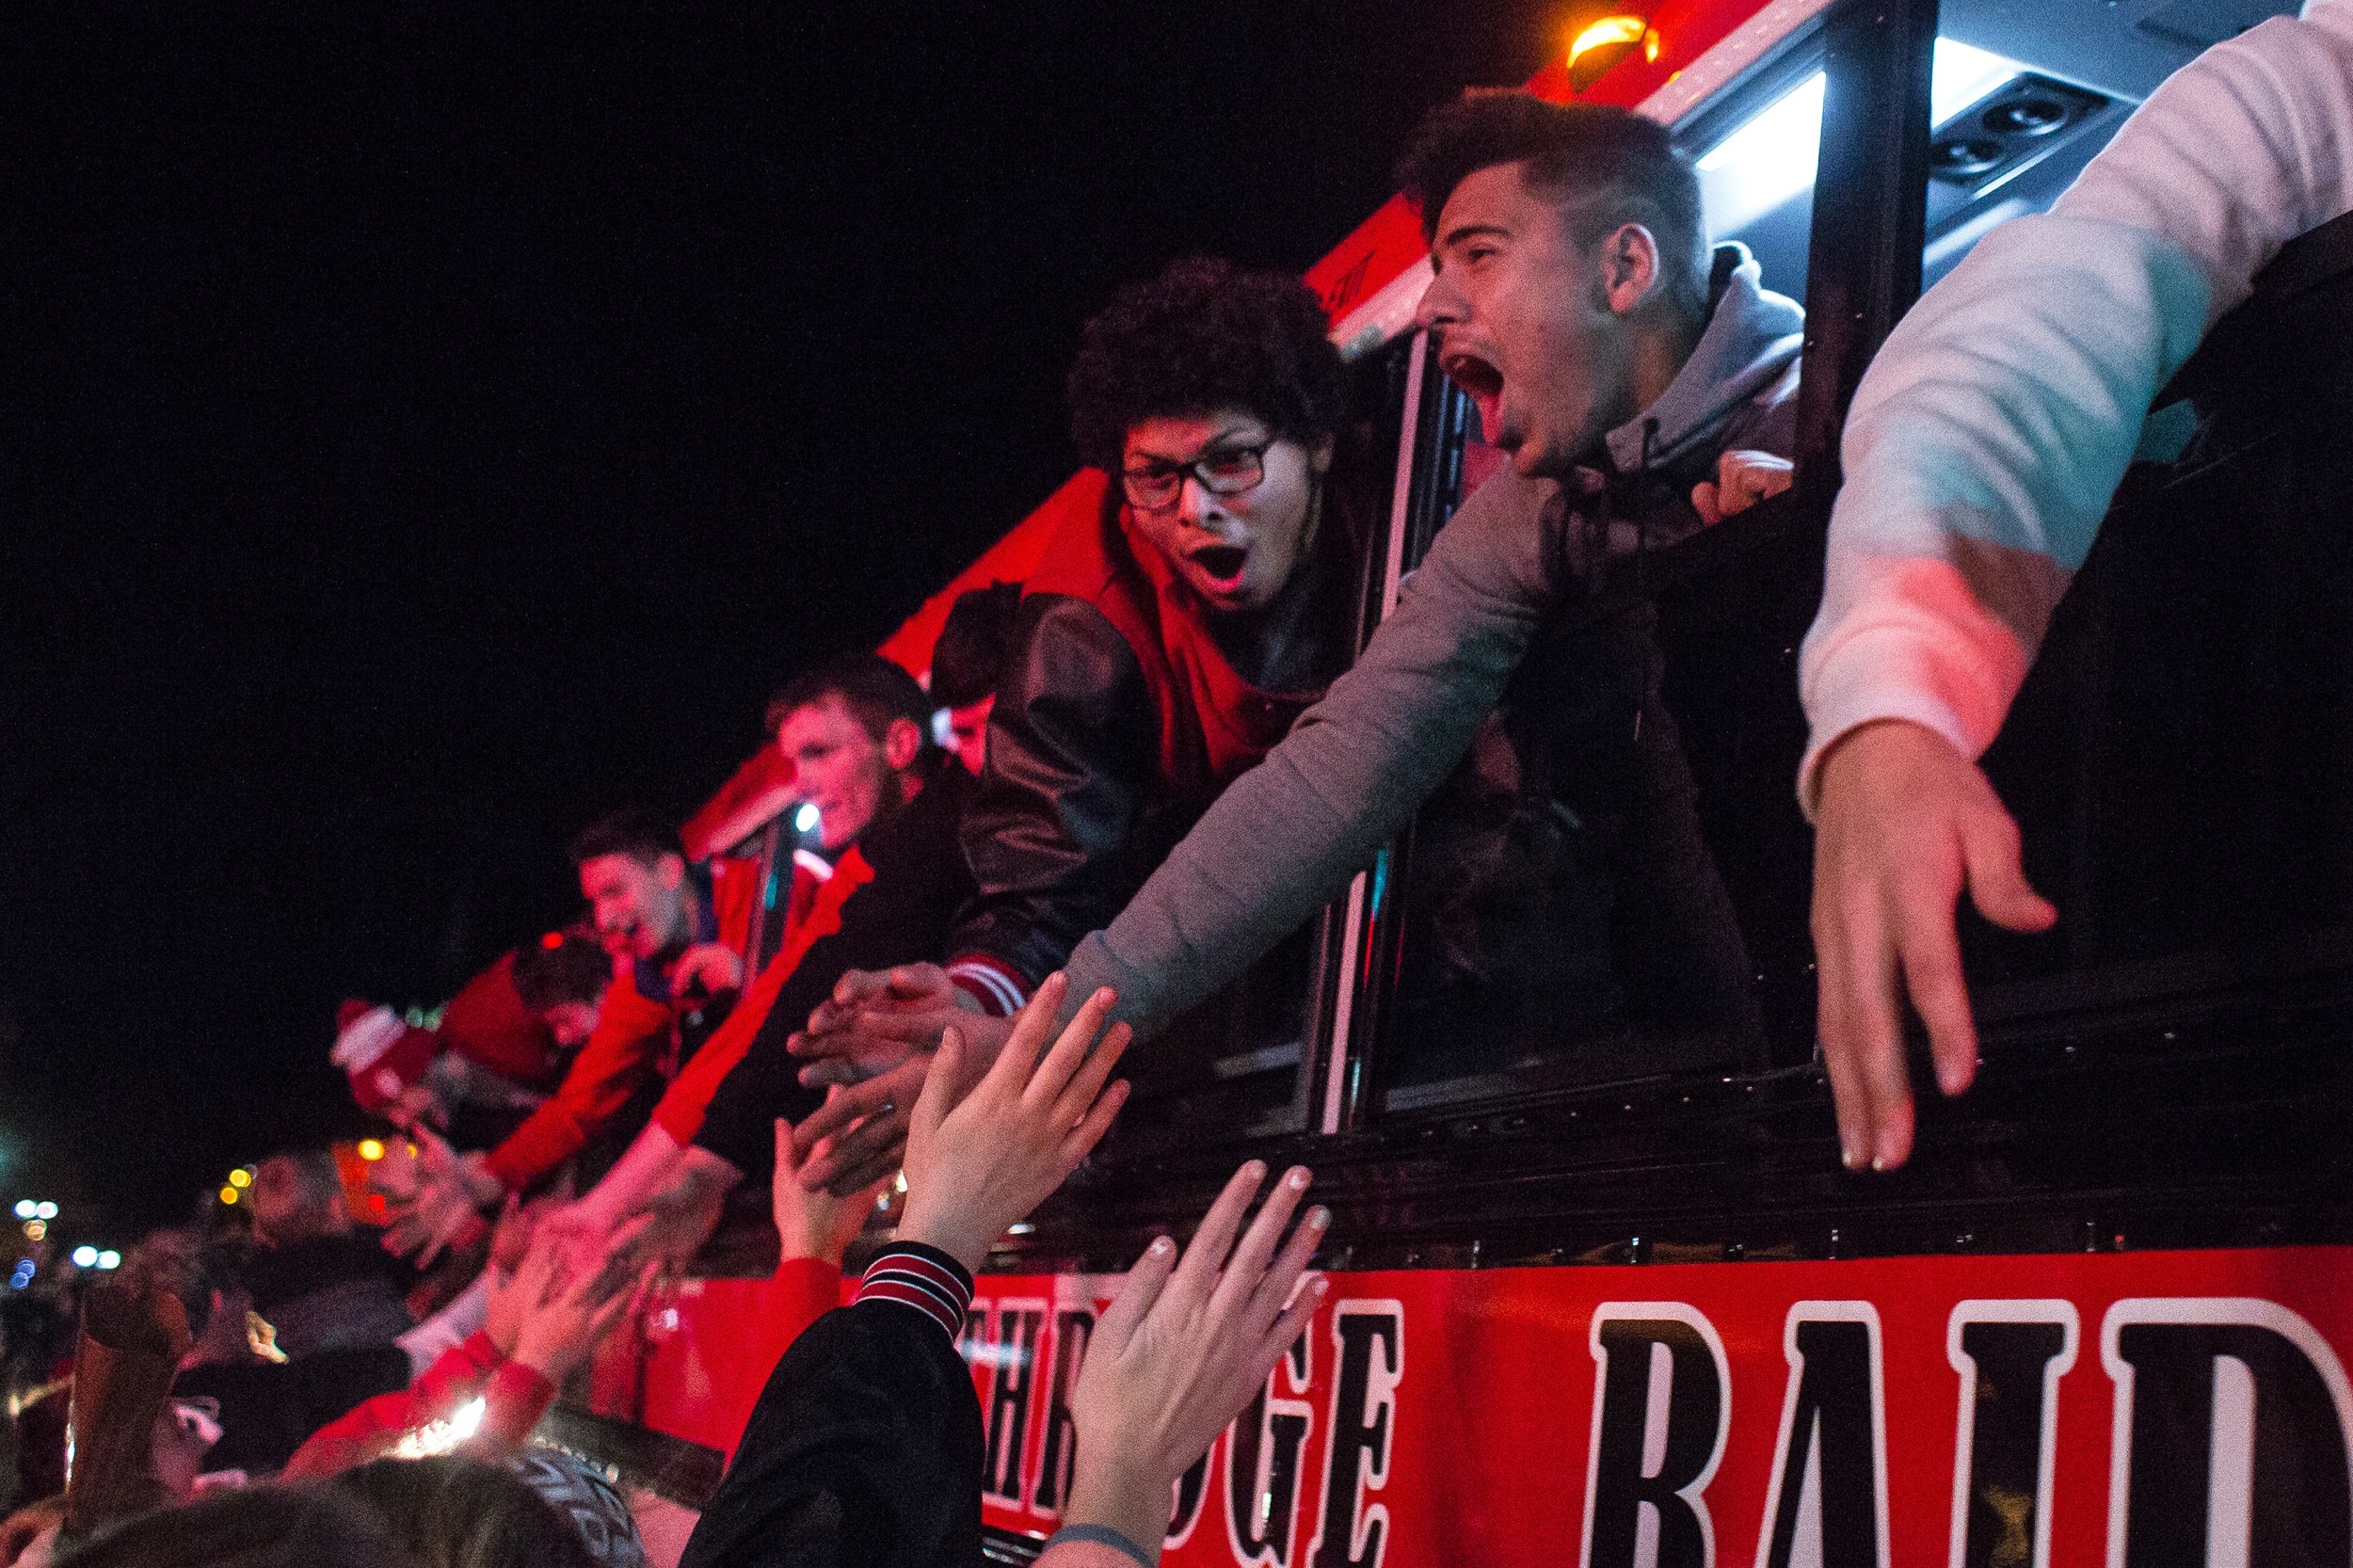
<point x="1826" y="1506"/>
<point x="1662" y="1409"/>
<point x="2231" y="1437"/>
<point x="1013" y="1379"/>
<point x="1369" y="1363"/>
<point x="2010" y="1355"/>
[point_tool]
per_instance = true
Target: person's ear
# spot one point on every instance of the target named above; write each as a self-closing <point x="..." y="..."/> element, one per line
<point x="671" y="871"/>
<point x="1626" y="267"/>
<point x="901" y="743"/>
<point x="1319" y="458"/>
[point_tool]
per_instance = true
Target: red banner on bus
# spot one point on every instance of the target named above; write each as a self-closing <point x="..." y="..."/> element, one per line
<point x="2127" y="1408"/>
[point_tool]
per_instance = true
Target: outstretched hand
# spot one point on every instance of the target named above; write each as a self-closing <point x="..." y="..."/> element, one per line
<point x="450" y="1189"/>
<point x="1184" y="1348"/>
<point x="554" y="1309"/>
<point x="815" y="1224"/>
<point x="875" y="1020"/>
<point x="982" y="1155"/>
<point x="1902" y="821"/>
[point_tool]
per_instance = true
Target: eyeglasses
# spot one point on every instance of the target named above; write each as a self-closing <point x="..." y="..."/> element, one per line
<point x="1221" y="470"/>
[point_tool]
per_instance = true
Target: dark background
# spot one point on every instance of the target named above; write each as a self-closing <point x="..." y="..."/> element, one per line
<point x="420" y="435"/>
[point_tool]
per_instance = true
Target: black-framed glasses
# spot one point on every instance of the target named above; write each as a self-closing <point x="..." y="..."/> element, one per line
<point x="1220" y="470"/>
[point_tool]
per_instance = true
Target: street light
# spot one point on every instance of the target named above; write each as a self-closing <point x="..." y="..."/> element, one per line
<point x="85" y="1257"/>
<point x="111" y="1259"/>
<point x="45" y="1210"/>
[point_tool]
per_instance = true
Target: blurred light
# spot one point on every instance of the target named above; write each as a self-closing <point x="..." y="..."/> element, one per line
<point x="441" y="1437"/>
<point x="46" y="1210"/>
<point x="24" y="1276"/>
<point x="241" y="1179"/>
<point x="111" y="1259"/>
<point x="36" y="1229"/>
<point x="370" y="1148"/>
<point x="805" y="818"/>
<point x="1604" y="44"/>
<point x="26" y="1209"/>
<point x="85" y="1257"/>
<point x="1771" y="157"/>
<point x="229" y="1194"/>
<point x="552" y="941"/>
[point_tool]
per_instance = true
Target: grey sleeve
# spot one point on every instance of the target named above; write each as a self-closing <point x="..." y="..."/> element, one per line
<point x="1288" y="835"/>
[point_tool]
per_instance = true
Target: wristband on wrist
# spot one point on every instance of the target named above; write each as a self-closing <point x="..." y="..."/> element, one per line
<point x="920" y="1277"/>
<point x="1103" y="1535"/>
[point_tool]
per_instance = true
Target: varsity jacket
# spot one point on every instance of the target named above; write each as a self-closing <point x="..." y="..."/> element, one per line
<point x="1986" y="440"/>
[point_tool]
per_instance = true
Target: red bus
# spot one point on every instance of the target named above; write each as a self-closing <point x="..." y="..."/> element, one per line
<point x="1602" y="1291"/>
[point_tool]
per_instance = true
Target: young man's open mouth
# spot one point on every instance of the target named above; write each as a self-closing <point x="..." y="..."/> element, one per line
<point x="1481" y="380"/>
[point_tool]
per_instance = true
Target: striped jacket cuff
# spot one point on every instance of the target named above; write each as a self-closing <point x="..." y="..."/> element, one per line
<point x="924" y="1278"/>
<point x="1000" y="991"/>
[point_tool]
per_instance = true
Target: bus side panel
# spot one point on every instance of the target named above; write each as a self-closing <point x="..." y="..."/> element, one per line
<point x="1772" y="1412"/>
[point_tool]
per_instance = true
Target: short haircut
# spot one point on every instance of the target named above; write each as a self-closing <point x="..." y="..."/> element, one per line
<point x="1607" y="165"/>
<point x="464" y="1512"/>
<point x="878" y="692"/>
<point x="643" y="836"/>
<point x="974" y="644"/>
<point x="561" y="966"/>
<point x="1202" y="336"/>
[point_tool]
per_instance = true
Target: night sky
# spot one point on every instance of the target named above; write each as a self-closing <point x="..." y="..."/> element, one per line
<point x="420" y="435"/>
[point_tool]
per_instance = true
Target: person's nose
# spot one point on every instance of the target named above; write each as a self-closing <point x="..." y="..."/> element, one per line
<point x="1441" y="307"/>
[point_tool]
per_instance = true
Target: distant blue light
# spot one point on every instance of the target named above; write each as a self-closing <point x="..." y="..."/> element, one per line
<point x="805" y="818"/>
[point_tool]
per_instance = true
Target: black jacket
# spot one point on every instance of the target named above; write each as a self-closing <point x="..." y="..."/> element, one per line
<point x="865" y="1449"/>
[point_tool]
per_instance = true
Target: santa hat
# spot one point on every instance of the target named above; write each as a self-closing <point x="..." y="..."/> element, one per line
<point x="380" y="1052"/>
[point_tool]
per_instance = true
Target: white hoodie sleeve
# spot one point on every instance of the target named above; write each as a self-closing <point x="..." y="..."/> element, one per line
<point x="1986" y="440"/>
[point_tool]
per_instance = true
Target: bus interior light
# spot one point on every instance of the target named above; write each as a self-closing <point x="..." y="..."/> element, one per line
<point x="1770" y="157"/>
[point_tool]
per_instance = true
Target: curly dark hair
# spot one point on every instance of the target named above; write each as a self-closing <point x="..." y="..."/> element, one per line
<point x="1205" y="335"/>
<point x="1609" y="165"/>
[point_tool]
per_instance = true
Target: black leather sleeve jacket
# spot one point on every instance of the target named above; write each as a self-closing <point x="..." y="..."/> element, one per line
<point x="1075" y="808"/>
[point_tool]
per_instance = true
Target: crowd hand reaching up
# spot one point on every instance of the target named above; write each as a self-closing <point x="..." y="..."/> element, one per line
<point x="983" y="1154"/>
<point x="1184" y="1348"/>
<point x="1903" y="822"/>
<point x="874" y="1042"/>
<point x="813" y="1222"/>
<point x="450" y="1187"/>
<point x="1742" y="479"/>
<point x="554" y="1309"/>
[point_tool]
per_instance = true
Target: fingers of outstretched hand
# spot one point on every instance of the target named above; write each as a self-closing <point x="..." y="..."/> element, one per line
<point x="843" y="1108"/>
<point x="939" y="1096"/>
<point x="1090" y="1128"/>
<point x="1239" y="1280"/>
<point x="839" y="1167"/>
<point x="1136" y="1297"/>
<point x="1993" y="857"/>
<point x="1279" y="1283"/>
<point x="1093" y="1068"/>
<point x="1070" y="1055"/>
<point x="1198" y="1269"/>
<point x="865" y="1179"/>
<point x="1017" y="1064"/>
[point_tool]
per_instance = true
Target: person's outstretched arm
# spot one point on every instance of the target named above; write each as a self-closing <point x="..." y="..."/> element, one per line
<point x="1980" y="454"/>
<point x="866" y="1444"/>
<point x="1287" y="835"/>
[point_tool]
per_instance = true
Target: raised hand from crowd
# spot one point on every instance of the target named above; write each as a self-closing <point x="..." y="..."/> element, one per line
<point x="986" y="1146"/>
<point x="811" y="1221"/>
<point x="1185" y="1345"/>
<point x="874" y="1042"/>
<point x="1903" y="822"/>
<point x="555" y="1308"/>
<point x="452" y="1190"/>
